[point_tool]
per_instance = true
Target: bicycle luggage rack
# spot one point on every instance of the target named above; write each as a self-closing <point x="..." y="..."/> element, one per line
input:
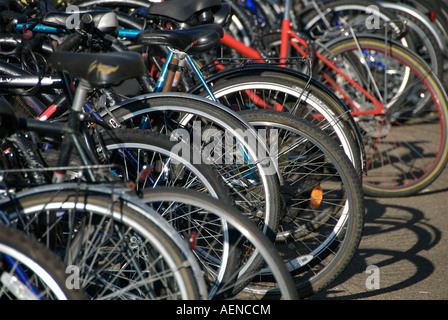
<point x="244" y="62"/>
<point x="77" y="169"/>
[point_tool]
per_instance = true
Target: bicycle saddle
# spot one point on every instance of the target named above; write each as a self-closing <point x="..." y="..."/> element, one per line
<point x="222" y="16"/>
<point x="104" y="20"/>
<point x="191" y="41"/>
<point x="183" y="10"/>
<point x="99" y="69"/>
<point x="8" y="119"/>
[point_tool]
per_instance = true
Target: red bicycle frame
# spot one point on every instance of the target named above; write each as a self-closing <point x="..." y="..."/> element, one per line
<point x="287" y="39"/>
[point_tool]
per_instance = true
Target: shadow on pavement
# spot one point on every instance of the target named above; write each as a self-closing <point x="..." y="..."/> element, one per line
<point x="394" y="238"/>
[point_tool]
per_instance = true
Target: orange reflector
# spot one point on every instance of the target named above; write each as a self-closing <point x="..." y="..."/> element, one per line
<point x="433" y="15"/>
<point x="145" y="173"/>
<point x="317" y="196"/>
<point x="193" y="240"/>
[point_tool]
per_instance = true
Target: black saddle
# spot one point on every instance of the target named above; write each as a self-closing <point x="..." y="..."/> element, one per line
<point x="183" y="10"/>
<point x="8" y="119"/>
<point x="191" y="41"/>
<point x="99" y="69"/>
<point x="222" y="16"/>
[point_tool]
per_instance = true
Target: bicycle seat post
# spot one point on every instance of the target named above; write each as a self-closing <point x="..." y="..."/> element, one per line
<point x="73" y="127"/>
<point x="80" y="96"/>
<point x="171" y="72"/>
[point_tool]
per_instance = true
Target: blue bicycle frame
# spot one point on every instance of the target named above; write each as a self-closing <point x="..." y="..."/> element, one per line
<point x="132" y="33"/>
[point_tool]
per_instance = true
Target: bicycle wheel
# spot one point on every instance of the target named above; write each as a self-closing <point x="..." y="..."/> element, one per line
<point x="406" y="140"/>
<point x="177" y="205"/>
<point x="149" y="159"/>
<point x="118" y="249"/>
<point x="227" y="143"/>
<point x="29" y="271"/>
<point x="136" y="149"/>
<point x="355" y="13"/>
<point x="324" y="205"/>
<point x="270" y="90"/>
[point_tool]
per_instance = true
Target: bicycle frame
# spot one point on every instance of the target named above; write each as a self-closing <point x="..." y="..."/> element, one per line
<point x="288" y="35"/>
<point x="163" y="85"/>
<point x="74" y="137"/>
<point x="162" y="80"/>
<point x="289" y="39"/>
<point x="226" y="40"/>
<point x="71" y="138"/>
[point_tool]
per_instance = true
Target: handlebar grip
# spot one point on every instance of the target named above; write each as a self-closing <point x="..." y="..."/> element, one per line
<point x="70" y="42"/>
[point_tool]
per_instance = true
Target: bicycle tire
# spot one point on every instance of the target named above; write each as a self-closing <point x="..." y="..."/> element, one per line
<point x="318" y="240"/>
<point x="247" y="231"/>
<point x="45" y="274"/>
<point x="422" y="90"/>
<point x="105" y="232"/>
<point x="293" y="95"/>
<point x="164" y="108"/>
<point x="417" y="38"/>
<point x="125" y="146"/>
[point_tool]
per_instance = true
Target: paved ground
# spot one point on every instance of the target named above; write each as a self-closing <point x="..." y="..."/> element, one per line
<point x="407" y="239"/>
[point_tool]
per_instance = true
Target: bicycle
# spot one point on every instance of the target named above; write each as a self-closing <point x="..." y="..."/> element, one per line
<point x="411" y="76"/>
<point x="418" y="82"/>
<point x="270" y="196"/>
<point x="43" y="125"/>
<point x="162" y="38"/>
<point x="182" y="282"/>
